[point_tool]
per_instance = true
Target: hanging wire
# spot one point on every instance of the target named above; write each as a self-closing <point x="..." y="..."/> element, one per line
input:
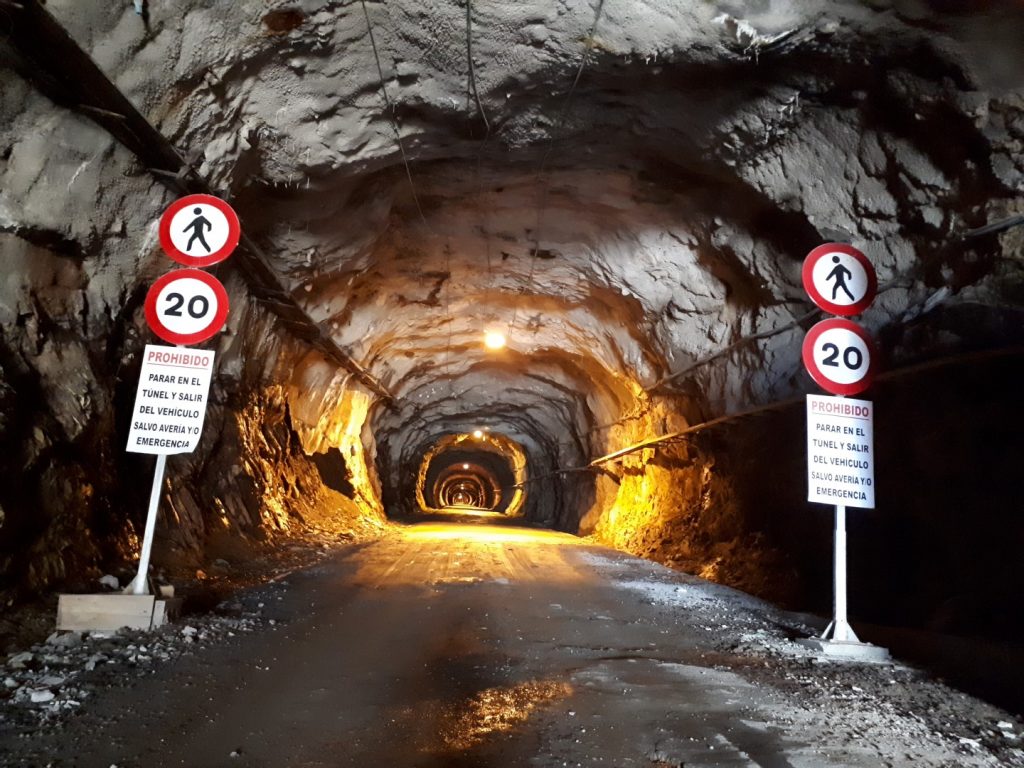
<point x="898" y="281"/>
<point x="390" y="109"/>
<point x="448" y="314"/>
<point x="472" y="68"/>
<point x="475" y="94"/>
<point x="478" y="184"/>
<point x="542" y="167"/>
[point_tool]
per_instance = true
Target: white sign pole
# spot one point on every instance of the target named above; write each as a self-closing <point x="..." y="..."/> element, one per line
<point x="139" y="584"/>
<point x="840" y="629"/>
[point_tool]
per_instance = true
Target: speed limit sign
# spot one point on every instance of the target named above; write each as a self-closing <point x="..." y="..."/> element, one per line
<point x="840" y="356"/>
<point x="186" y="306"/>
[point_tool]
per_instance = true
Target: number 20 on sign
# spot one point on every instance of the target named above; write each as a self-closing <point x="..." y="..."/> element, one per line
<point x="186" y="306"/>
<point x="840" y="357"/>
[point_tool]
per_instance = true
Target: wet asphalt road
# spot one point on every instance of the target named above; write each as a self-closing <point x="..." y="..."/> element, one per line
<point x="463" y="646"/>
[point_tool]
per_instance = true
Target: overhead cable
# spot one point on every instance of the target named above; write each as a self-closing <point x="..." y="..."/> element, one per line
<point x="542" y="167"/>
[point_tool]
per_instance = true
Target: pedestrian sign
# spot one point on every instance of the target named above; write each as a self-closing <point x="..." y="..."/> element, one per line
<point x="199" y="230"/>
<point x="839" y="279"/>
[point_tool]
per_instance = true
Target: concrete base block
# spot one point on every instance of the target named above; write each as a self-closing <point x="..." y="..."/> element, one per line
<point x="845" y="651"/>
<point x="113" y="611"/>
<point x="166" y="610"/>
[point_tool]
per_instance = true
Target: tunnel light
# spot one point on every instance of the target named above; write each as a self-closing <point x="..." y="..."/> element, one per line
<point x="478" y="434"/>
<point x="494" y="339"/>
<point x="465" y="466"/>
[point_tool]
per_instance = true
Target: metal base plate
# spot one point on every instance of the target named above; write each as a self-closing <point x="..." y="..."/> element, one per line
<point x="846" y="651"/>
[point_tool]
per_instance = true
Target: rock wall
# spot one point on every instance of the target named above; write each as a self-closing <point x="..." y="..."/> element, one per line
<point x="681" y="504"/>
<point x="623" y="189"/>
<point x="79" y="504"/>
<point x="939" y="552"/>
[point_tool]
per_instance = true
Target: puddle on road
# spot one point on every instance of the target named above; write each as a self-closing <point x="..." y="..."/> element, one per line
<point x="496" y="710"/>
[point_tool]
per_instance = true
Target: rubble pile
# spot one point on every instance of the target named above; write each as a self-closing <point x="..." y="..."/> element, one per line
<point x="51" y="679"/>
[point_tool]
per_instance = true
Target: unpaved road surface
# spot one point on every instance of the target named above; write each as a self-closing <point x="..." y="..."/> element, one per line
<point x="448" y="645"/>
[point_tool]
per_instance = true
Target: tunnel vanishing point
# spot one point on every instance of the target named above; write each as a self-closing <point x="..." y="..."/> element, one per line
<point x="540" y="260"/>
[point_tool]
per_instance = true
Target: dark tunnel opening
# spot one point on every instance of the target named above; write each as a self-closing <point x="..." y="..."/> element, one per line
<point x="467" y="478"/>
<point x="480" y="470"/>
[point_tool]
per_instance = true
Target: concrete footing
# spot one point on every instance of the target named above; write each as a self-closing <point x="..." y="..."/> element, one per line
<point x="113" y="611"/>
<point x="847" y="651"/>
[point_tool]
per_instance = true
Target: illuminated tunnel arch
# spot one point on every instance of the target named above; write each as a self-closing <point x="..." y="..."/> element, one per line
<point x="468" y="471"/>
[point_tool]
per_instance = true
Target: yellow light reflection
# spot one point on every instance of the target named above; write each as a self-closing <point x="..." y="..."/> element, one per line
<point x="486" y="534"/>
<point x="497" y="710"/>
<point x="457" y="510"/>
<point x="478" y="434"/>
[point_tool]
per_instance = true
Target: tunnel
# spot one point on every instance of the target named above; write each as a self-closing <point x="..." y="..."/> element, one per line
<point x="475" y="470"/>
<point x="539" y="264"/>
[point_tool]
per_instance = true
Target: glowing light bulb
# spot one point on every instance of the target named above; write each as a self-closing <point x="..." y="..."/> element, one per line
<point x="494" y="339"/>
<point x="465" y="466"/>
<point x="478" y="434"/>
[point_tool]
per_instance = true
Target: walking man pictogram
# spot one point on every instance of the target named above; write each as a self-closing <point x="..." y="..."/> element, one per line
<point x="198" y="226"/>
<point x="840" y="273"/>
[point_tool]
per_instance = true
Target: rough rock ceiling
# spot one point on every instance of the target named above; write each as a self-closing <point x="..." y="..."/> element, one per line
<point x="623" y="187"/>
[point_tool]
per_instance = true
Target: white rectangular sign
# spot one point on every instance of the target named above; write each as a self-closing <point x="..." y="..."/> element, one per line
<point x="840" y="451"/>
<point x="170" y="403"/>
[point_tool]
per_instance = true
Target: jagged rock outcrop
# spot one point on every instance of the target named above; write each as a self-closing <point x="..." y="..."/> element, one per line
<point x="622" y="188"/>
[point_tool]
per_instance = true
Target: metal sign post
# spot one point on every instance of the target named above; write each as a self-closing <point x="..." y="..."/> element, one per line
<point x="839" y="356"/>
<point x="139" y="584"/>
<point x="187" y="306"/>
<point x="840" y="629"/>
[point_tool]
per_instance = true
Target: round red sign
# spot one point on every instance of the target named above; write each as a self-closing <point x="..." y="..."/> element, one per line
<point x="186" y="306"/>
<point x="840" y="356"/>
<point x="839" y="279"/>
<point x="199" y="230"/>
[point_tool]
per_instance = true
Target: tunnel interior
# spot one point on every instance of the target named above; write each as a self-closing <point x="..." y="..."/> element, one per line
<point x="502" y="269"/>
<point x="485" y="473"/>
